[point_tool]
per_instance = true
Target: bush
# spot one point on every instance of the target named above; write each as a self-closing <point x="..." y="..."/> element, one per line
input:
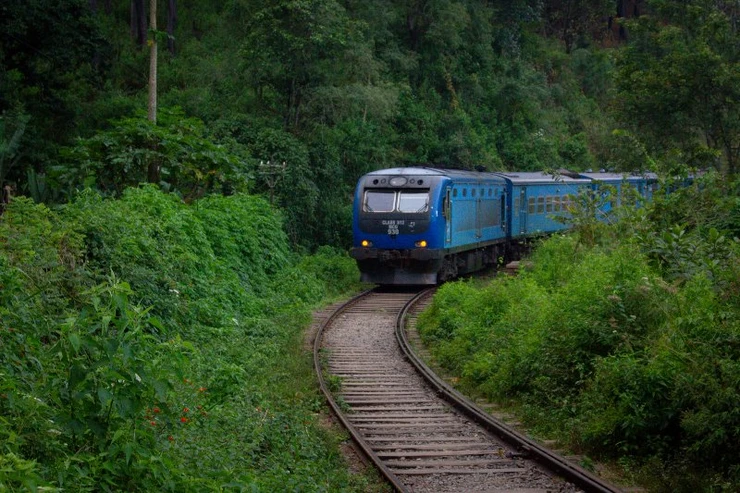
<point x="626" y="347"/>
<point x="146" y="344"/>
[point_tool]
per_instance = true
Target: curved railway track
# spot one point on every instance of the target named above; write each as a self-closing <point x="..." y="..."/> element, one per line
<point x="421" y="434"/>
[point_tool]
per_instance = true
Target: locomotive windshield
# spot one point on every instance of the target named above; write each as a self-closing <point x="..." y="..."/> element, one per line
<point x="408" y="201"/>
<point x="413" y="201"/>
<point x="376" y="201"/>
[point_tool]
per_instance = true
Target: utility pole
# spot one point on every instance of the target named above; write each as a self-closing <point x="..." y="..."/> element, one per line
<point x="153" y="168"/>
<point x="272" y="173"/>
<point x="153" y="61"/>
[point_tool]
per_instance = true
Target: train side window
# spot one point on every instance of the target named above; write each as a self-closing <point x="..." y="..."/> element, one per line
<point x="490" y="192"/>
<point x="516" y="203"/>
<point x="556" y="203"/>
<point x="465" y="192"/>
<point x="473" y="192"/>
<point x="454" y="192"/>
<point x="531" y="205"/>
<point x="548" y="204"/>
<point x="540" y="205"/>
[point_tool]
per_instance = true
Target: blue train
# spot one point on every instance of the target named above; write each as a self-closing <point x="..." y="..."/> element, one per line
<point x="426" y="225"/>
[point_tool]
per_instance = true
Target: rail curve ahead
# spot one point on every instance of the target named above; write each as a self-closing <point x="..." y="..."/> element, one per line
<point x="422" y="435"/>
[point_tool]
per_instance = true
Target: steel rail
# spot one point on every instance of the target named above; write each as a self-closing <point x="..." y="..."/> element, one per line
<point x="547" y="458"/>
<point x="392" y="479"/>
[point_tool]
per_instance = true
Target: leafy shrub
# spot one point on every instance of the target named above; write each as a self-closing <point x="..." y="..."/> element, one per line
<point x="627" y="347"/>
<point x="205" y="387"/>
<point x="173" y="152"/>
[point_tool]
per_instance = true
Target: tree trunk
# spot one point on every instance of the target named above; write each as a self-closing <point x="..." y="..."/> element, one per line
<point x="138" y="22"/>
<point x="171" y="24"/>
<point x="153" y="62"/>
<point x="153" y="170"/>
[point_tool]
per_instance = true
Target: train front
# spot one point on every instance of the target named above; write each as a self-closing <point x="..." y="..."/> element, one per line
<point x="398" y="226"/>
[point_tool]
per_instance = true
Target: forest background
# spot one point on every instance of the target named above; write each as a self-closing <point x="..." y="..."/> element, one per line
<point x="335" y="89"/>
<point x="146" y="329"/>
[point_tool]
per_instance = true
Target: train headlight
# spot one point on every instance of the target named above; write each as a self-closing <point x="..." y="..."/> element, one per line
<point x="421" y="244"/>
<point x="366" y="243"/>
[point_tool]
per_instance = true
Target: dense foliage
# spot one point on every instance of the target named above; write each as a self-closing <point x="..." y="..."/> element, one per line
<point x="333" y="89"/>
<point x="625" y="347"/>
<point x="150" y="345"/>
<point x="118" y="304"/>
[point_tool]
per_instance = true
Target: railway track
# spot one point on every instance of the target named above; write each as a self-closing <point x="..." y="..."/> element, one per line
<point x="421" y="434"/>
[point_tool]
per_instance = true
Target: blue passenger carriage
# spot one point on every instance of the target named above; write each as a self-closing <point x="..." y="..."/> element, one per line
<point x="644" y="186"/>
<point x="538" y="198"/>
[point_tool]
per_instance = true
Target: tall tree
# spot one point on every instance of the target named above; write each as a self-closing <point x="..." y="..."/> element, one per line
<point x="679" y="81"/>
<point x="288" y="48"/>
<point x="46" y="47"/>
<point x="570" y="19"/>
<point x="138" y="25"/>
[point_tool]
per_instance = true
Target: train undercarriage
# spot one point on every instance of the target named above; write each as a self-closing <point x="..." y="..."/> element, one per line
<point x="433" y="266"/>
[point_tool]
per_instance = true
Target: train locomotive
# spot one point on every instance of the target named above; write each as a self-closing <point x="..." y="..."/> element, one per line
<point x="423" y="226"/>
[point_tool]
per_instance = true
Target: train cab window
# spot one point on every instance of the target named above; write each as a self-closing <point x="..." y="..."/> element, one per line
<point x="379" y="201"/>
<point x="416" y="201"/>
<point x="531" y="209"/>
<point x="540" y="205"/>
<point x="548" y="204"/>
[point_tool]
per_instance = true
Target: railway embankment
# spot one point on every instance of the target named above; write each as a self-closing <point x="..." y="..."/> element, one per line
<point x="623" y="349"/>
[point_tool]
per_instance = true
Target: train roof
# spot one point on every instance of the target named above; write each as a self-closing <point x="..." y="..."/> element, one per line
<point x="523" y="177"/>
<point x="539" y="177"/>
<point x="616" y="177"/>
<point x="424" y="171"/>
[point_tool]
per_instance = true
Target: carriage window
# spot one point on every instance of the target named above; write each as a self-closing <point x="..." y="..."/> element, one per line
<point x="376" y="201"/>
<point x="454" y="192"/>
<point x="548" y="204"/>
<point x="465" y="192"/>
<point x="540" y="205"/>
<point x="473" y="192"/>
<point x="413" y="201"/>
<point x="556" y="203"/>
<point x="531" y="205"/>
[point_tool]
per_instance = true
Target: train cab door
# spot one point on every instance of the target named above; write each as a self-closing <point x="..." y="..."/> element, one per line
<point x="447" y="213"/>
<point x="522" y="210"/>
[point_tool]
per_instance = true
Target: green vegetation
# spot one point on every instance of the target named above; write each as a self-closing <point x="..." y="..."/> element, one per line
<point x="624" y="346"/>
<point x="119" y="301"/>
<point x="148" y="345"/>
<point x="333" y="89"/>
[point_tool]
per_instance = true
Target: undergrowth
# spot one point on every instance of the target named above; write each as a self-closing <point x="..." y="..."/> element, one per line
<point x="626" y="347"/>
<point x="149" y="345"/>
